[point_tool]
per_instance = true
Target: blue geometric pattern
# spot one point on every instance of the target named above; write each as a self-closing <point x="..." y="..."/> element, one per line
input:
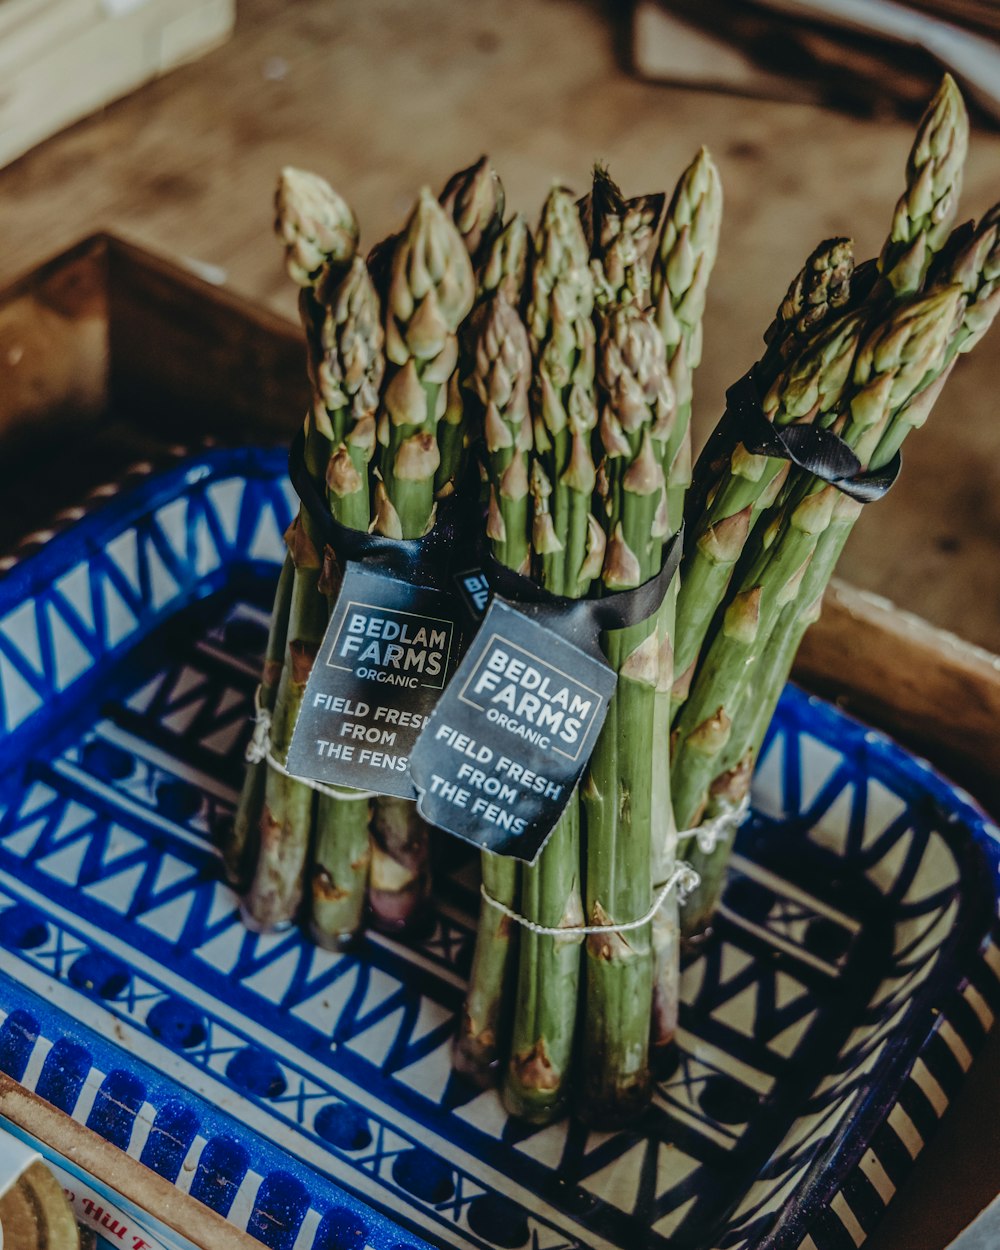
<point x="851" y="976"/>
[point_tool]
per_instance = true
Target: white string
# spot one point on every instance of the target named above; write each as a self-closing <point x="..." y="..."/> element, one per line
<point x="259" y="748"/>
<point x="683" y="877"/>
<point x="711" y="833"/>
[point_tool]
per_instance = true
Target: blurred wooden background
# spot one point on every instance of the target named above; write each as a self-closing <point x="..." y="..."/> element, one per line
<point x="384" y="95"/>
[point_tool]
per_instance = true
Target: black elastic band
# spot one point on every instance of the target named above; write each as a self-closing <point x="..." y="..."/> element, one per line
<point x="584" y="620"/>
<point x="427" y="556"/>
<point x="820" y="452"/>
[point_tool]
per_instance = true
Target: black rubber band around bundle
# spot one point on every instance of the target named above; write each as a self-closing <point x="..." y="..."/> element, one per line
<point x="427" y="556"/>
<point x="820" y="452"/>
<point x="582" y="621"/>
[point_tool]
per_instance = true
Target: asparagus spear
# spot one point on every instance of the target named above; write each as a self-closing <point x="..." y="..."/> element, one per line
<point x="562" y="342"/>
<point x="820" y="288"/>
<point x="927" y="207"/>
<point x="506" y="266"/>
<point x="682" y="265"/>
<point x="275" y="891"/>
<point x="316" y="225"/>
<point x="897" y="360"/>
<point x="681" y="268"/>
<point x="500" y="380"/>
<point x="239" y="848"/>
<point x="320" y="233"/>
<point x="348" y="377"/>
<point x="623" y="823"/>
<point x="568" y="545"/>
<point x="619" y="232"/>
<point x="431" y="290"/>
<point x="474" y="198"/>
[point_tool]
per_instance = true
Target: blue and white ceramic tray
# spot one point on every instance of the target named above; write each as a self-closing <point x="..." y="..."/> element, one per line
<point x="308" y="1095"/>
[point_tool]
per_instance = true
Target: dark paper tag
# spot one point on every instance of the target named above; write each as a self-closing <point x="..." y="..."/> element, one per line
<point x="503" y="751"/>
<point x="388" y="652"/>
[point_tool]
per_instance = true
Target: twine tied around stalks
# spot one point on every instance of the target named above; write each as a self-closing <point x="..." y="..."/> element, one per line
<point x="683" y="879"/>
<point x="709" y="834"/>
<point x="259" y="749"/>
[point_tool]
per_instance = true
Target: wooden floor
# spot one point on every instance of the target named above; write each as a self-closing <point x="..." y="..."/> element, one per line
<point x="384" y="95"/>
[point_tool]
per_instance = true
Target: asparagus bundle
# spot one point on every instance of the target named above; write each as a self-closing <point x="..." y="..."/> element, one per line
<point x="320" y="233"/>
<point x="383" y="454"/>
<point x="892" y="365"/>
<point x="592" y="452"/>
<point x="872" y="376"/>
<point x="809" y="349"/>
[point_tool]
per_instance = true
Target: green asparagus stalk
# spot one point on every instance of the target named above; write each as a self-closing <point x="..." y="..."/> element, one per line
<point x="399" y="888"/>
<point x="623" y="825"/>
<point x="505" y="269"/>
<point x="500" y="381"/>
<point x="320" y="234"/>
<point x="316" y="225"/>
<point x="274" y="895"/>
<point x="348" y="378"/>
<point x="820" y="289"/>
<point x="682" y="266"/>
<point x="568" y="547"/>
<point x="239" y="848"/>
<point x="474" y="199"/>
<point x="431" y="291"/>
<point x="620" y="232"/>
<point x="562" y="341"/>
<point x="927" y="207"/>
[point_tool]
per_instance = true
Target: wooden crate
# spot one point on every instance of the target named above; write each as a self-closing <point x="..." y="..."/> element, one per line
<point x="83" y="384"/>
<point x="85" y="396"/>
<point x="62" y="59"/>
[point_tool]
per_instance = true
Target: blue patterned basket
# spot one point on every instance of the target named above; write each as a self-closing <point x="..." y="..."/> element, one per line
<point x="307" y="1095"/>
